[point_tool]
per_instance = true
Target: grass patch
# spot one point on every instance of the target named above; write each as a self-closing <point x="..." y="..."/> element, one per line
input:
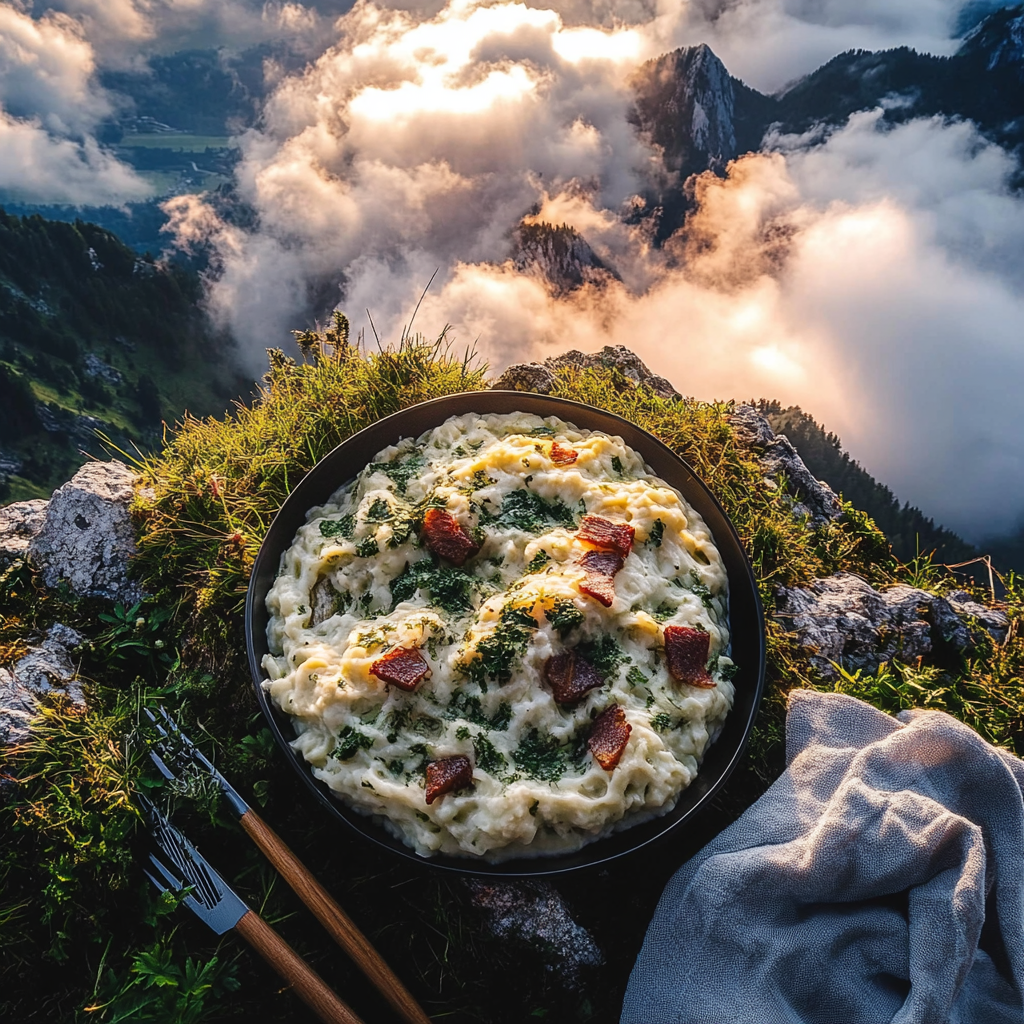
<point x="85" y="938"/>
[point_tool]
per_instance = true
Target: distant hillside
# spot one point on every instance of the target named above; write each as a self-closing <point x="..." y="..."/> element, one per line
<point x="909" y="530"/>
<point x="92" y="337"/>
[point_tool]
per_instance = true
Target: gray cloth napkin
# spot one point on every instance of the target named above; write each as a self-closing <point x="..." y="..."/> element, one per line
<point x="880" y="879"/>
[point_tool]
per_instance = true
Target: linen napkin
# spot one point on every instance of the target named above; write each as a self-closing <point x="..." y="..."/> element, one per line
<point x="880" y="879"/>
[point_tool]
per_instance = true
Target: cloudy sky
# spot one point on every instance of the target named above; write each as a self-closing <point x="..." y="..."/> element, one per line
<point x="418" y="136"/>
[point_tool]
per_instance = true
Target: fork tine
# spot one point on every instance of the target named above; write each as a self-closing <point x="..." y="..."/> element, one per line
<point x="172" y="881"/>
<point x="161" y="765"/>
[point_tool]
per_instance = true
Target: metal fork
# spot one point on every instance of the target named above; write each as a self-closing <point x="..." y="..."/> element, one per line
<point x="209" y="897"/>
<point x="175" y="749"/>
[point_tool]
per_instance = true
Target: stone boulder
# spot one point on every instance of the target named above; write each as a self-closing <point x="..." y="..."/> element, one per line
<point x="47" y="668"/>
<point x="845" y="620"/>
<point x="526" y="377"/>
<point x="779" y="459"/>
<point x="20" y="523"/>
<point x="616" y="357"/>
<point x="534" y="915"/>
<point x="87" y="537"/>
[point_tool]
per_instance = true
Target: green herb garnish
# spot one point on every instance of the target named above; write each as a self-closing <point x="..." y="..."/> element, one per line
<point x="604" y="654"/>
<point x="656" y="533"/>
<point x="617" y="464"/>
<point x="349" y="742"/>
<point x="499" y="652"/>
<point x="525" y="510"/>
<point x="540" y="757"/>
<point x="367" y="547"/>
<point x="487" y="757"/>
<point x="564" y="616"/>
<point x="538" y="561"/>
<point x="342" y="527"/>
<point x="664" y="611"/>
<point x="636" y="678"/>
<point x="661" y="722"/>
<point x="467" y="706"/>
<point x="400" y="472"/>
<point x="449" y="588"/>
<point x="700" y="589"/>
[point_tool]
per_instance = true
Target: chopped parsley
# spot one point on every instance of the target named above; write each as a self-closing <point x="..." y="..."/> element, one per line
<point x="487" y="757"/>
<point x="402" y="472"/>
<point x="463" y="733"/>
<point x="342" y="527"/>
<point x="540" y="757"/>
<point x="664" y="611"/>
<point x="617" y="464"/>
<point x="527" y="511"/>
<point x="700" y="589"/>
<point x="661" y="722"/>
<point x="656" y="532"/>
<point x="349" y="742"/>
<point x="367" y="547"/>
<point x="499" y="651"/>
<point x="604" y="654"/>
<point x="538" y="561"/>
<point x="636" y="678"/>
<point x="449" y="588"/>
<point x="467" y="706"/>
<point x="564" y="616"/>
<point x="380" y="511"/>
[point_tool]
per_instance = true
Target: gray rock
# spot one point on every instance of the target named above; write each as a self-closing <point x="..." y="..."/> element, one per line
<point x="526" y="377"/>
<point x="779" y="459"/>
<point x="559" y="255"/>
<point x="96" y="368"/>
<point x="535" y="915"/>
<point x="87" y="538"/>
<point x="992" y="620"/>
<point x="620" y="358"/>
<point x="20" y="522"/>
<point x="47" y="668"/>
<point x="845" y="620"/>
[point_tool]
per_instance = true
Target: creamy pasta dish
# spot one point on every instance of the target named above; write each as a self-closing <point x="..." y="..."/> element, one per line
<point x="505" y="638"/>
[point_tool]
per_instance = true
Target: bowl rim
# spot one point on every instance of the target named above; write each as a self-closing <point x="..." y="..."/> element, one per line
<point x="745" y="610"/>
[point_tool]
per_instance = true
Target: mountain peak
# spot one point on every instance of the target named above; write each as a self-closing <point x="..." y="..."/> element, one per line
<point x="998" y="40"/>
<point x="686" y="103"/>
<point x="558" y="254"/>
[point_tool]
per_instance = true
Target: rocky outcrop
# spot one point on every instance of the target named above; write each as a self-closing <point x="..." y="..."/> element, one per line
<point x="20" y="523"/>
<point x="782" y="463"/>
<point x="616" y="357"/>
<point x="534" y="915"/>
<point x="561" y="256"/>
<point x="846" y="621"/>
<point x="540" y="377"/>
<point x="87" y="537"/>
<point x="48" y="668"/>
<point x="533" y="377"/>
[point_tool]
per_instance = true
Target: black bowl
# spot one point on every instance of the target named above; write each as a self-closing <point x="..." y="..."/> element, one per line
<point x="746" y="619"/>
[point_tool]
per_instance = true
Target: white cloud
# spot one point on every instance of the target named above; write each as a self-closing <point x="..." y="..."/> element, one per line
<point x="36" y="166"/>
<point x="872" y="276"/>
<point x="49" y="105"/>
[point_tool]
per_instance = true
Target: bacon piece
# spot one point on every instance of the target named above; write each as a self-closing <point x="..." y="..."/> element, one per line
<point x="446" y="537"/>
<point x="687" y="653"/>
<point x="403" y="667"/>
<point x="601" y="567"/>
<point x="608" y="737"/>
<point x="603" y="533"/>
<point x="562" y="456"/>
<point x="570" y="676"/>
<point x="447" y="774"/>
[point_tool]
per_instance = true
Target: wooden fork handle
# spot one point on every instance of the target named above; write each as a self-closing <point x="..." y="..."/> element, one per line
<point x="308" y="985"/>
<point x="340" y="926"/>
